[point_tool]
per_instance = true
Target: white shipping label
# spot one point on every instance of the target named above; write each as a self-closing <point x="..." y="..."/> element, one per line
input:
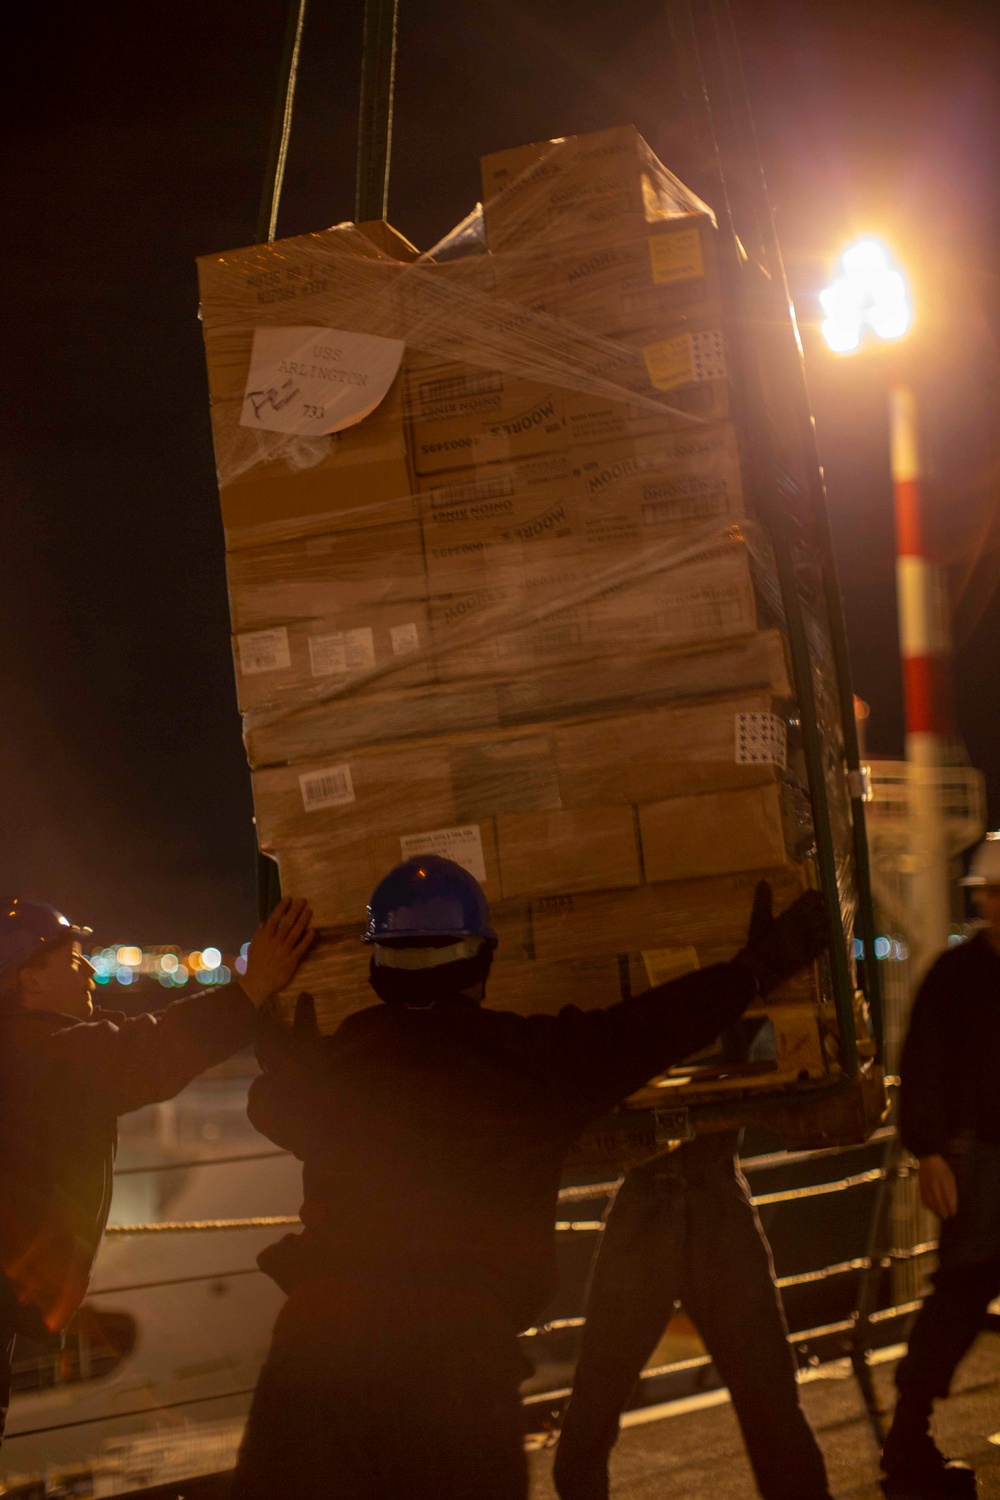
<point x="405" y="638"/>
<point x="761" y="739"/>
<point x="463" y="845"/>
<point x="264" y="651"/>
<point x="331" y="787"/>
<point x="316" y="380"/>
<point x="663" y="964"/>
<point x="340" y="654"/>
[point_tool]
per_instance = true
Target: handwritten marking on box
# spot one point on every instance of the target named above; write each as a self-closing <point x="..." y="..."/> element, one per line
<point x="314" y="381"/>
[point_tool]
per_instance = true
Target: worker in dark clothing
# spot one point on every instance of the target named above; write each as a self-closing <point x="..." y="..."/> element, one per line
<point x="432" y="1134"/>
<point x="682" y="1227"/>
<point x="950" y="1121"/>
<point x="67" y="1072"/>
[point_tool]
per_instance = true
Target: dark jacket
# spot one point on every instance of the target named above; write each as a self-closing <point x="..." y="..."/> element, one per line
<point x="63" y="1084"/>
<point x="949" y="1062"/>
<point x="433" y="1140"/>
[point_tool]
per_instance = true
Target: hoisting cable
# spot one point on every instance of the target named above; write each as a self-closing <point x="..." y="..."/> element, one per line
<point x="378" y="83"/>
<point x="281" y="127"/>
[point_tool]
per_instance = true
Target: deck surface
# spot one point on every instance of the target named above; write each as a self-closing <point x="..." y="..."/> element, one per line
<point x="698" y="1455"/>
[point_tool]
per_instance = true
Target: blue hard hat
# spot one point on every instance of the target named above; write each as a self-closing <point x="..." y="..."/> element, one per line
<point x="428" y="897"/>
<point x="28" y="928"/>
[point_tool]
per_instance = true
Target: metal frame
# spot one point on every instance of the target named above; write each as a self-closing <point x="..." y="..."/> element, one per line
<point x="714" y="90"/>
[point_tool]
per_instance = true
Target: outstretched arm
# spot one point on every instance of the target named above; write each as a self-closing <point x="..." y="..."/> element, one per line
<point x="607" y="1054"/>
<point x="137" y="1060"/>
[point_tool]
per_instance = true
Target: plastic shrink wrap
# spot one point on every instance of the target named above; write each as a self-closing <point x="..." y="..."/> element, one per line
<point x="498" y="591"/>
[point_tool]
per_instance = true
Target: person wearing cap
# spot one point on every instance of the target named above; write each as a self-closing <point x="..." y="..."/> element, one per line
<point x="67" y="1071"/>
<point x="432" y="1134"/>
<point x="950" y="1121"/>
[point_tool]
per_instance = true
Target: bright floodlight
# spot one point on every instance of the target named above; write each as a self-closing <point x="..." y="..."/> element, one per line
<point x="869" y="293"/>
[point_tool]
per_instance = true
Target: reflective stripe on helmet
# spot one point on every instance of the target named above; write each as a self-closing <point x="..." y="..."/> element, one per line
<point x="387" y="957"/>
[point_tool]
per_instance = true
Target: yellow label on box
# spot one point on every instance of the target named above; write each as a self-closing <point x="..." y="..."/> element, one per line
<point x="663" y="964"/>
<point x="676" y="257"/>
<point x="670" y="363"/>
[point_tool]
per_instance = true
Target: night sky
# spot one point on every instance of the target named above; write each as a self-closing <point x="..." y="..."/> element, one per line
<point x="136" y="139"/>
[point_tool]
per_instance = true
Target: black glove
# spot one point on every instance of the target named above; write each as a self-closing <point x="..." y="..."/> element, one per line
<point x="778" y="947"/>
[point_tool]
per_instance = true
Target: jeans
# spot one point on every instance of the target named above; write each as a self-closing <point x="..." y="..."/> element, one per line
<point x="683" y="1228"/>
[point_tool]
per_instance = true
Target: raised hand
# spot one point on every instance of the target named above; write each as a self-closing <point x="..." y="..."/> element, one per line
<point x="277" y="949"/>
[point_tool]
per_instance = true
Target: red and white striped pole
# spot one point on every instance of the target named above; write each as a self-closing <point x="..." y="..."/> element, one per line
<point x="925" y="650"/>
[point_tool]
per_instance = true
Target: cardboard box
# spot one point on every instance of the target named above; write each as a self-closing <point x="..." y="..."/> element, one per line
<point x="370" y="791"/>
<point x="506" y="772"/>
<point x="709" y="913"/>
<point x="497" y="515"/>
<point x="656" y="966"/>
<point x="589" y="849"/>
<point x="272" y="483"/>
<point x="667" y="273"/>
<point x="337" y="875"/>
<point x="628" y="681"/>
<point x="335" y="973"/>
<point x="665" y="376"/>
<point x="359" y="478"/>
<point x="567" y="616"/>
<point x="667" y="752"/>
<point x="715" y="833"/>
<point x="464" y="414"/>
<point x="323" y="575"/>
<point x="292" y="662"/>
<point x="577" y="185"/>
<point x="632" y="490"/>
<point x="353" y="719"/>
<point x="530" y="988"/>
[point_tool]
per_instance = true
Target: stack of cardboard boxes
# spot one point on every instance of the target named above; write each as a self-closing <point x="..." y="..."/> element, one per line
<point x="512" y="615"/>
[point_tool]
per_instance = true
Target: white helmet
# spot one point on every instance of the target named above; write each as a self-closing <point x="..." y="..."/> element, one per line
<point x="985" y="867"/>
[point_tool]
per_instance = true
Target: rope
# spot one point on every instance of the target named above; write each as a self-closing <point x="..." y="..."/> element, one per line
<point x="562" y="1226"/>
<point x="281" y="128"/>
<point x="200" y="1161"/>
<point x="196" y="1226"/>
<point x="118" y="1416"/>
<point x="152" y="1286"/>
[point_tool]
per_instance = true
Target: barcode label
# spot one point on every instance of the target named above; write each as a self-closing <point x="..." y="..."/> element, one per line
<point x="761" y="739"/>
<point x="477" y="489"/>
<point x="331" y="787"/>
<point x="454" y="387"/>
<point x="404" y="638"/>
<point x="264" y="651"/>
<point x="463" y="845"/>
<point x="340" y="654"/>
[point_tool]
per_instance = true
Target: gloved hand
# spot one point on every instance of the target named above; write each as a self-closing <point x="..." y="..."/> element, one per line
<point x="778" y="947"/>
